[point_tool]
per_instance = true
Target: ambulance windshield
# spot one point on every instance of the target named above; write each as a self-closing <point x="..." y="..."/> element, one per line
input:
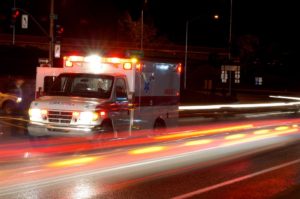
<point x="82" y="85"/>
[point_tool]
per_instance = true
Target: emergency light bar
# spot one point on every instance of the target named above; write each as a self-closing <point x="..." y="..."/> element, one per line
<point x="95" y="60"/>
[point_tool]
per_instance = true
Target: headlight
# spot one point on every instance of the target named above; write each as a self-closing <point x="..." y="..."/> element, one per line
<point x="37" y="114"/>
<point x="88" y="117"/>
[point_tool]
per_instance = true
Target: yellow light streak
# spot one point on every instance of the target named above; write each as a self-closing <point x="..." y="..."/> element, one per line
<point x="246" y="140"/>
<point x="73" y="162"/>
<point x="147" y="150"/>
<point x="197" y="142"/>
<point x="281" y="128"/>
<point x="263" y="131"/>
<point x="286" y="131"/>
<point x="259" y="137"/>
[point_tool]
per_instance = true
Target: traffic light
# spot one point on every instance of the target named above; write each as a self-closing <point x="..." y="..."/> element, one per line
<point x="15" y="13"/>
<point x="59" y="30"/>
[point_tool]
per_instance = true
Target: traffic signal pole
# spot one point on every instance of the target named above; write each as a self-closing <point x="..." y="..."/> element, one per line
<point x="51" y="34"/>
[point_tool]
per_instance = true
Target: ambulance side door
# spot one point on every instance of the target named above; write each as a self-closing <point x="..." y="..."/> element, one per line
<point x="121" y="111"/>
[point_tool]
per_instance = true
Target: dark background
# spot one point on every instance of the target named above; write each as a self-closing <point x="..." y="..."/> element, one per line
<point x="271" y="21"/>
<point x="265" y="34"/>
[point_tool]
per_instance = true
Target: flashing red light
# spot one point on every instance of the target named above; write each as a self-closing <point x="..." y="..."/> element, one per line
<point x="102" y="113"/>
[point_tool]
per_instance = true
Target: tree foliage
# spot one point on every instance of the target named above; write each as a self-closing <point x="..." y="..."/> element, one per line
<point x="130" y="30"/>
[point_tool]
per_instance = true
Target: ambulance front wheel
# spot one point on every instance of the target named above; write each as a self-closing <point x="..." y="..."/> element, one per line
<point x="107" y="126"/>
<point x="107" y="131"/>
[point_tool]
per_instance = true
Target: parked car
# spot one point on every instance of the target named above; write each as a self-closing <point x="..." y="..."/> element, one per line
<point x="9" y="103"/>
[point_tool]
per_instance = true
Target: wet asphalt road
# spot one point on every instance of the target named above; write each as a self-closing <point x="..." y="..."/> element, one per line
<point x="13" y="128"/>
<point x="270" y="172"/>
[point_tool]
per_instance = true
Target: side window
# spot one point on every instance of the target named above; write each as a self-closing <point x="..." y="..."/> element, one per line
<point x="48" y="82"/>
<point x="121" y="92"/>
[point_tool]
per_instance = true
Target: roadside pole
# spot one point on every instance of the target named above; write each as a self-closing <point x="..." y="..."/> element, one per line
<point x="51" y="34"/>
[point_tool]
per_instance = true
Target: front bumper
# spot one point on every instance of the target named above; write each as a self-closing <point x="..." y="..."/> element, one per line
<point x="40" y="129"/>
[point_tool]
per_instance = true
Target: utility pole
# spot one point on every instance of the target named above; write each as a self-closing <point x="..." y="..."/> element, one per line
<point x="51" y="33"/>
<point x="186" y="52"/>
<point x="14" y="27"/>
<point x="142" y="24"/>
<point x="142" y="28"/>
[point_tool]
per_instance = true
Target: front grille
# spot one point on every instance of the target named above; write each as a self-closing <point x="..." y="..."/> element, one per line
<point x="61" y="117"/>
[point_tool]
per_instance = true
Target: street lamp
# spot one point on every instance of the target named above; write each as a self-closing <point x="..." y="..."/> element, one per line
<point x="215" y="17"/>
<point x="186" y="48"/>
<point x="185" y="54"/>
<point x="142" y="23"/>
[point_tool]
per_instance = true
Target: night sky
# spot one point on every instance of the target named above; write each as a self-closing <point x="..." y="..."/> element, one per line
<point x="271" y="21"/>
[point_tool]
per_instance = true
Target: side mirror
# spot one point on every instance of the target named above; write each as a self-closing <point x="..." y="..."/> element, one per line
<point x="131" y="97"/>
<point x="39" y="93"/>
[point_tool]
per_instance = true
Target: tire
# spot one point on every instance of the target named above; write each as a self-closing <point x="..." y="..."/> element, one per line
<point x="107" y="127"/>
<point x="9" y="107"/>
<point x="106" y="133"/>
<point x="159" y="125"/>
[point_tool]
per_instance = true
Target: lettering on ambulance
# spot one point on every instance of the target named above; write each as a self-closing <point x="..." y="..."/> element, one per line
<point x="147" y="82"/>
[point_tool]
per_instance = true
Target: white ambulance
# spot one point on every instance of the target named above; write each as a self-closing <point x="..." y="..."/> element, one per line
<point x="91" y="95"/>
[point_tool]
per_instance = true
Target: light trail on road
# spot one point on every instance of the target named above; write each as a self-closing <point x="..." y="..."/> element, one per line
<point x="136" y="162"/>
